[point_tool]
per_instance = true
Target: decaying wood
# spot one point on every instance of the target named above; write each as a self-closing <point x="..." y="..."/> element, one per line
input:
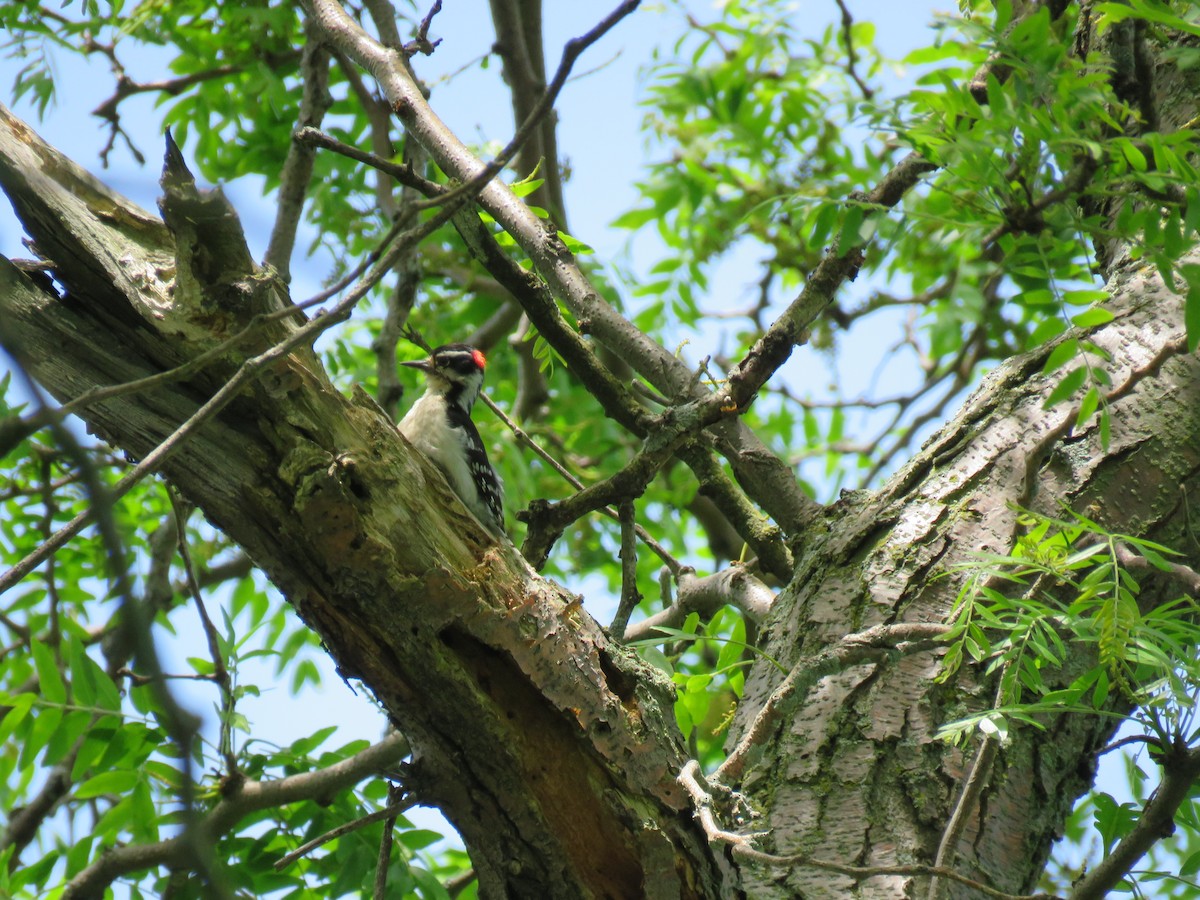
<point x="552" y="749"/>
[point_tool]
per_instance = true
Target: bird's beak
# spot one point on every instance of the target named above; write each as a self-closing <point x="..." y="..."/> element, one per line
<point x="425" y="365"/>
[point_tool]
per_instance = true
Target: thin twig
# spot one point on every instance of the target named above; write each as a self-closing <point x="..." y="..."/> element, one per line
<point x="571" y="52"/>
<point x="405" y="174"/>
<point x="383" y="861"/>
<point x="851" y="57"/>
<point x="421" y="43"/>
<point x="523" y="436"/>
<point x="964" y="806"/>
<point x="1148" y="740"/>
<point x="388" y="812"/>
<point x="220" y="673"/>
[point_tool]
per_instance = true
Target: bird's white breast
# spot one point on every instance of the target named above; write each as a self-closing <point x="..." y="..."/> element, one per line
<point x="426" y="428"/>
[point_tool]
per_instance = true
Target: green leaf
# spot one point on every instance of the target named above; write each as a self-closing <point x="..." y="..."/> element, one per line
<point x="576" y="246"/>
<point x="18" y="709"/>
<point x="1191" y="309"/>
<point x="1036" y="297"/>
<point x="1137" y="159"/>
<point x="418" y="838"/>
<point x="1087" y="406"/>
<point x="50" y="683"/>
<point x="1190" y="866"/>
<point x="45" y="723"/>
<point x="1070" y="383"/>
<point x="657" y="658"/>
<point x="849" y="237"/>
<point x="1061" y="355"/>
<point x="145" y="819"/>
<point x="1084" y="298"/>
<point x="118" y="781"/>
<point x="635" y="218"/>
<point x="90" y="683"/>
<point x="527" y="187"/>
<point x="822" y="226"/>
<point x="1097" y="315"/>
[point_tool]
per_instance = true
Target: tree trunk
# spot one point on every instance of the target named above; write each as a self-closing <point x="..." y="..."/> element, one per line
<point x="854" y="774"/>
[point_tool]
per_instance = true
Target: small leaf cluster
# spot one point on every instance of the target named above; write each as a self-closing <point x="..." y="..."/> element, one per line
<point x="707" y="662"/>
<point x="1064" y="583"/>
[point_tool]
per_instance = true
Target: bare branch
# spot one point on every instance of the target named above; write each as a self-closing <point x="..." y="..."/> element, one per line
<point x="403" y="296"/>
<point x="519" y="43"/>
<point x="1180" y="769"/>
<point x="630" y="597"/>
<point x="383" y="14"/>
<point x="733" y="586"/>
<point x="298" y="166"/>
<point x="395" y="794"/>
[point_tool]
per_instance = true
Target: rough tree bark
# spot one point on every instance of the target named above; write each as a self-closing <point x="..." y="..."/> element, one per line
<point x="552" y="749"/>
<point x="853" y="775"/>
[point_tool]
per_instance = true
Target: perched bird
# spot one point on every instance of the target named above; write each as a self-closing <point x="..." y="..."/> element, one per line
<point x="439" y="425"/>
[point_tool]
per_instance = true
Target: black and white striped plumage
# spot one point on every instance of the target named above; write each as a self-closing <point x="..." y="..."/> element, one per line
<point x="439" y="425"/>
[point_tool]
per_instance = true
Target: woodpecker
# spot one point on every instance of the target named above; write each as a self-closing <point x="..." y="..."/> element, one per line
<point x="439" y="425"/>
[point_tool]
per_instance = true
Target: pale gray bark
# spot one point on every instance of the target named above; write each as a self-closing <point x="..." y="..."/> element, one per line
<point x="854" y="773"/>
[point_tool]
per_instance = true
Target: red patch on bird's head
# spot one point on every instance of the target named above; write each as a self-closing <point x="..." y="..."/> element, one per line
<point x="480" y="359"/>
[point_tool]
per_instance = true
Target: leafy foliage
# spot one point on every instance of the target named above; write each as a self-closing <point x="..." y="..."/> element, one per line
<point x="765" y="140"/>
